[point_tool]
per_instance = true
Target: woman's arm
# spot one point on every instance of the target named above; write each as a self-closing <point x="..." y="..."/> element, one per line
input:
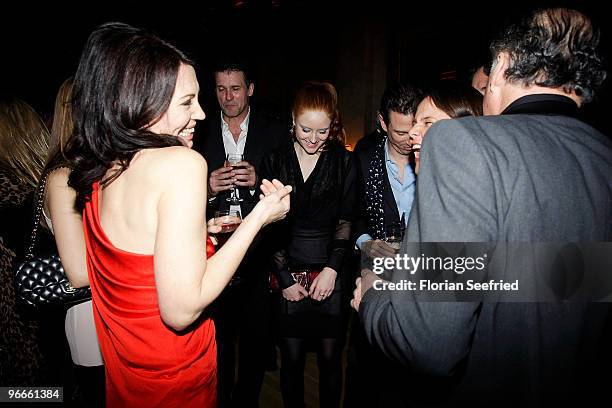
<point x="186" y="281"/>
<point x="67" y="227"/>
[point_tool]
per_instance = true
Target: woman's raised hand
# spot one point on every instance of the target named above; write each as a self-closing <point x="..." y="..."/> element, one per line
<point x="274" y="200"/>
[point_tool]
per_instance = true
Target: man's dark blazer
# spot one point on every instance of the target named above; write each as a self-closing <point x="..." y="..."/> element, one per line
<point x="264" y="134"/>
<point x="364" y="157"/>
<point x="533" y="174"/>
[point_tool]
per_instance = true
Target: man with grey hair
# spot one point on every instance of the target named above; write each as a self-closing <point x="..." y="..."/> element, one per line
<point x="531" y="171"/>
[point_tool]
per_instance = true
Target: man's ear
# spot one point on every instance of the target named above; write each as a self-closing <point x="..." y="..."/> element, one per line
<point x="251" y="89"/>
<point x="497" y="77"/>
<point x="383" y="125"/>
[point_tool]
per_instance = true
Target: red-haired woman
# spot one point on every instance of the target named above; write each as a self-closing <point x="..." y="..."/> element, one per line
<point x="314" y="238"/>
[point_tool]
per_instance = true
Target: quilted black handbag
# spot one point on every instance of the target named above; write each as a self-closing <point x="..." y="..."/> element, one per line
<point x="40" y="280"/>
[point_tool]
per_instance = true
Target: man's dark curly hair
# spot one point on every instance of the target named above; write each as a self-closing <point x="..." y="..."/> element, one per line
<point x="554" y="48"/>
<point x="400" y="98"/>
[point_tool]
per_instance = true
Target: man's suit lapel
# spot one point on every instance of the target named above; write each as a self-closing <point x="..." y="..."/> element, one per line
<point x="390" y="207"/>
<point x="252" y="141"/>
<point x="216" y="144"/>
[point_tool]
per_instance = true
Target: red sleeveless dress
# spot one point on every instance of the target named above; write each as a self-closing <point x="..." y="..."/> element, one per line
<point x="147" y="363"/>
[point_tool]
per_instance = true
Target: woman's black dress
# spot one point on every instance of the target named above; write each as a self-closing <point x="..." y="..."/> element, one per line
<point x="315" y="234"/>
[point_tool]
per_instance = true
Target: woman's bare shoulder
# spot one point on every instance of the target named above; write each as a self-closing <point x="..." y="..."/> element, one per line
<point x="168" y="163"/>
<point x="57" y="186"/>
<point x="59" y="196"/>
<point x="58" y="177"/>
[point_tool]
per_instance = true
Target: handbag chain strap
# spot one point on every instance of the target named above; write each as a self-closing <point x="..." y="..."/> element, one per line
<point x="40" y="201"/>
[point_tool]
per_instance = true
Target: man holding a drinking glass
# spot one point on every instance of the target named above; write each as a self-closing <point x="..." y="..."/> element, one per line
<point x="233" y="142"/>
<point x="387" y="183"/>
<point x="387" y="178"/>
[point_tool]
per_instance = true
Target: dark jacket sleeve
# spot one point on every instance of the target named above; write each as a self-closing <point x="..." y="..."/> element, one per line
<point x="276" y="233"/>
<point x="341" y="244"/>
<point x="360" y="225"/>
<point x="454" y="203"/>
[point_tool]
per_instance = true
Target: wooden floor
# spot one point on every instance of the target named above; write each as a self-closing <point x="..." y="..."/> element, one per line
<point x="270" y="396"/>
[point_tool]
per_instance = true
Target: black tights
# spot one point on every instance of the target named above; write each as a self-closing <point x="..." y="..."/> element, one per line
<point x="293" y="359"/>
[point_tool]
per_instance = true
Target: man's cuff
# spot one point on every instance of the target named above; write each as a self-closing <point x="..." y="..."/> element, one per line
<point x="211" y="194"/>
<point x="372" y="296"/>
<point x="254" y="188"/>
<point x="363" y="238"/>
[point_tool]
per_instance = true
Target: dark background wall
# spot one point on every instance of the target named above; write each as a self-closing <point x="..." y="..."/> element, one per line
<point x="359" y="48"/>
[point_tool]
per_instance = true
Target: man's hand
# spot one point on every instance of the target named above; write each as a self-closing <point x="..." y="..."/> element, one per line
<point x="221" y="180"/>
<point x="245" y="174"/>
<point x="363" y="285"/>
<point x="356" y="301"/>
<point x="378" y="249"/>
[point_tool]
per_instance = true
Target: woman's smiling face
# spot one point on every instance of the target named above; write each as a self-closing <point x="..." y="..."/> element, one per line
<point x="312" y="130"/>
<point x="180" y="118"/>
<point x="426" y="115"/>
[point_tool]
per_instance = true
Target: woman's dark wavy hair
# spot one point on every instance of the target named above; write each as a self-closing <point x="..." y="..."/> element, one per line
<point x="321" y="96"/>
<point x="456" y="99"/>
<point x="554" y="48"/>
<point x="124" y="83"/>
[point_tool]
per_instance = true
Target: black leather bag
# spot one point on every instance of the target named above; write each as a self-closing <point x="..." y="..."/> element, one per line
<point x="40" y="280"/>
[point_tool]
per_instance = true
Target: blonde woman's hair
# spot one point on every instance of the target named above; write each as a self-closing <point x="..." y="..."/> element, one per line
<point x="63" y="125"/>
<point x="24" y="140"/>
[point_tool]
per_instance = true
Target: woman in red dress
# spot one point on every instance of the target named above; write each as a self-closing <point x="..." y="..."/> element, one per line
<point x="143" y="193"/>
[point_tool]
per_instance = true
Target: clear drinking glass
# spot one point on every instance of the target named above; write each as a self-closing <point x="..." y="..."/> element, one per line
<point x="232" y="160"/>
<point x="228" y="220"/>
<point x="393" y="235"/>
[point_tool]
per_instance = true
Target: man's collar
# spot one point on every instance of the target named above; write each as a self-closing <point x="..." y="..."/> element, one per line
<point x="245" y="123"/>
<point x="388" y="157"/>
<point x="543" y="104"/>
<point x="386" y="147"/>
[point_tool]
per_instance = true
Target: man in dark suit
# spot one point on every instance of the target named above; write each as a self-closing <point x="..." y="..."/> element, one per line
<point x="241" y="312"/>
<point x="237" y="128"/>
<point x="387" y="184"/>
<point x="532" y="173"/>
